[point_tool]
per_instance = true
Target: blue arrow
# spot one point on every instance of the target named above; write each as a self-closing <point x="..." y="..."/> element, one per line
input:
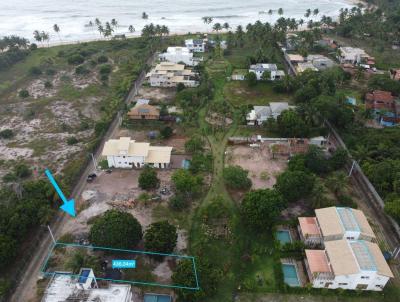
<point x="68" y="205"/>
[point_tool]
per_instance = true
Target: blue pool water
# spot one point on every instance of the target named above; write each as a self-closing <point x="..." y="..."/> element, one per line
<point x="157" y="298"/>
<point x="290" y="275"/>
<point x="185" y="164"/>
<point x="283" y="236"/>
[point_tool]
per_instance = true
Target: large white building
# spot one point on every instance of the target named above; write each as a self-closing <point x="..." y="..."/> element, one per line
<point x="168" y="74"/>
<point x="127" y="153"/>
<point x="196" y="45"/>
<point x="351" y="55"/>
<point x="348" y="264"/>
<point x="260" y="114"/>
<point x="179" y="54"/>
<point x="260" y="68"/>
<point x="334" y="223"/>
<point x="64" y="287"/>
<point x="350" y="259"/>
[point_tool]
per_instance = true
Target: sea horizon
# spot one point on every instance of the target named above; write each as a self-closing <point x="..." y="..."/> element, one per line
<point x="22" y="18"/>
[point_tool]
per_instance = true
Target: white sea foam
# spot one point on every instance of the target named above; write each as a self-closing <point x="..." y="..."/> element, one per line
<point x="22" y="17"/>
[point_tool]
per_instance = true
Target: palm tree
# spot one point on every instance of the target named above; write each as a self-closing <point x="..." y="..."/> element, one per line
<point x="100" y="28"/>
<point x="56" y="28"/>
<point x="45" y="37"/>
<point x="270" y="12"/>
<point x="97" y="22"/>
<point x="308" y="13"/>
<point x="301" y="22"/>
<point x="280" y="11"/>
<point x="108" y="30"/>
<point x="207" y="20"/>
<point x="337" y="182"/>
<point x="114" y="23"/>
<point x="217" y="27"/>
<point x="131" y="29"/>
<point x="316" y="12"/>
<point x="164" y="30"/>
<point x="226" y="26"/>
<point x="37" y="36"/>
<point x="145" y="16"/>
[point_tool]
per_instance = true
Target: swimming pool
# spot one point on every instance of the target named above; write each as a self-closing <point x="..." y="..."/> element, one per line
<point x="185" y="164"/>
<point x="157" y="298"/>
<point x="290" y="274"/>
<point x="284" y="236"/>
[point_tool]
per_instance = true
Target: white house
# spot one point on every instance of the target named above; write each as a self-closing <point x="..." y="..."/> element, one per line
<point x="127" y="153"/>
<point x="196" y="45"/>
<point x="168" y="74"/>
<point x="64" y="287"/>
<point x="351" y="55"/>
<point x="320" y="62"/>
<point x="334" y="223"/>
<point x="260" y="68"/>
<point x="260" y="114"/>
<point x="348" y="264"/>
<point x="179" y="54"/>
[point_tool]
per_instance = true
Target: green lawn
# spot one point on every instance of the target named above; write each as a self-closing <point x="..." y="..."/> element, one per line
<point x="239" y="93"/>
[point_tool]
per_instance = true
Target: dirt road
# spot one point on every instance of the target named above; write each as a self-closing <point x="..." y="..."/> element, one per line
<point x="26" y="289"/>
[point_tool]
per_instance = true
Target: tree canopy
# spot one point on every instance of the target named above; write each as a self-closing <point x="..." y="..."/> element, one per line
<point x="294" y="185"/>
<point x="186" y="183"/>
<point x="148" y="178"/>
<point x="116" y="229"/>
<point x="261" y="208"/>
<point x="236" y="178"/>
<point x="160" y="237"/>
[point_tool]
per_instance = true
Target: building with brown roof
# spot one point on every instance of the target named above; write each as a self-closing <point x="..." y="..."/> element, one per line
<point x="144" y="112"/>
<point x="385" y="107"/>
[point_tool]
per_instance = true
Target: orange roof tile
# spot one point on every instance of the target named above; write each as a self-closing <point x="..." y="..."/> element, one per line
<point x="317" y="261"/>
<point x="309" y="226"/>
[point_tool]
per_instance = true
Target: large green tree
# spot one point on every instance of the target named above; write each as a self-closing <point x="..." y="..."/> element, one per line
<point x="186" y="183"/>
<point x="261" y="208"/>
<point x="235" y="177"/>
<point x="160" y="237"/>
<point x="148" y="178"/>
<point x="290" y="124"/>
<point x="116" y="229"/>
<point x="294" y="185"/>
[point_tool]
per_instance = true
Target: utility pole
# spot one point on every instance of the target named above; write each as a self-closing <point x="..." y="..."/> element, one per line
<point x="352" y="168"/>
<point x="94" y="161"/>
<point x="51" y="234"/>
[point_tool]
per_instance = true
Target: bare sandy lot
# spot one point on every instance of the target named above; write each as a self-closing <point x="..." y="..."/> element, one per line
<point x="156" y="95"/>
<point x="263" y="170"/>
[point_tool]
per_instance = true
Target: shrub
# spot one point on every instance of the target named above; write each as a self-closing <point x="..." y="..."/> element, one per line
<point x="81" y="70"/>
<point x="102" y="59"/>
<point x="6" y="133"/>
<point x="22" y="170"/>
<point x="180" y="87"/>
<point x="75" y="59"/>
<point x="23" y="93"/>
<point x="48" y="85"/>
<point x="72" y="140"/>
<point x="35" y="70"/>
<point x="33" y="46"/>
<point x="104" y="78"/>
<point x="178" y="203"/>
<point x="105" y="69"/>
<point x="10" y="177"/>
<point x="50" y="71"/>
<point x="166" y="132"/>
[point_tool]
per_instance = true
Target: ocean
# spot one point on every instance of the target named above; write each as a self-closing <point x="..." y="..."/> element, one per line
<point x="22" y="17"/>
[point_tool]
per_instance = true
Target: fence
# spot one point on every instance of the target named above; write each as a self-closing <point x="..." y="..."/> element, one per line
<point x="365" y="186"/>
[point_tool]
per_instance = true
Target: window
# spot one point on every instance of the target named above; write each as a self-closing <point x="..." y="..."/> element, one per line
<point x="361" y="286"/>
<point x="364" y="277"/>
<point x="342" y="284"/>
